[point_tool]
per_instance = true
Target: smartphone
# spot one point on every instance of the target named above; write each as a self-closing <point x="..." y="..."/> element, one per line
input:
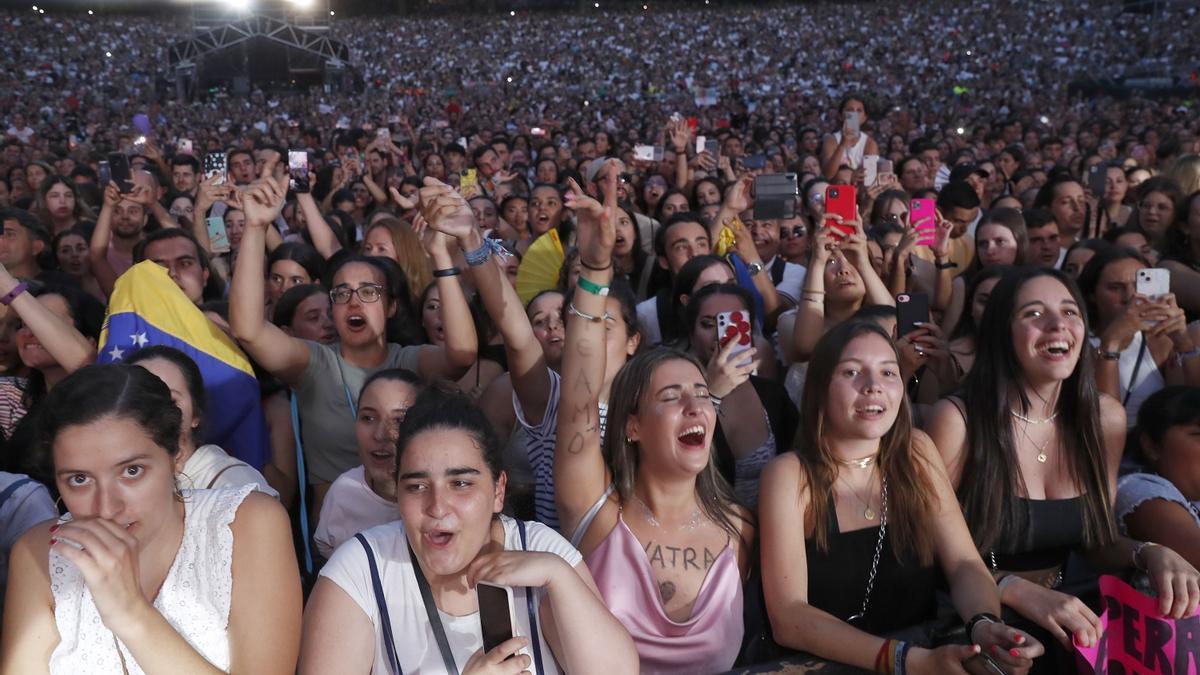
<point x="298" y="170"/>
<point x="537" y="131"/>
<point x="139" y="145"/>
<point x="754" y="162"/>
<point x="216" y="165"/>
<point x="871" y="169"/>
<point x="700" y="141"/>
<point x="713" y="147"/>
<point x="923" y="218"/>
<point x="185" y="146"/>
<point x="121" y="173"/>
<point x="462" y="140"/>
<point x="911" y="309"/>
<point x="775" y="196"/>
<point x="1095" y="180"/>
<point x="885" y="165"/>
<point x="735" y="327"/>
<point x="982" y="664"/>
<point x="1153" y="282"/>
<point x="840" y="200"/>
<point x="468" y="184"/>
<point x="852" y="122"/>
<point x="218" y="237"/>
<point x="103" y="173"/>
<point x="496" y="616"/>
<point x="647" y="153"/>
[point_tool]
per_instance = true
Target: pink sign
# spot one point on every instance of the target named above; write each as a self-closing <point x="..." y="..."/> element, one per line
<point x="1139" y="640"/>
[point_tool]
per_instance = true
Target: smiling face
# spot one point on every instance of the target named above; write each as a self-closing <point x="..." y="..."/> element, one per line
<point x="865" y="391"/>
<point x="674" y="422"/>
<point x="1047" y="330"/>
<point x="447" y="497"/>
<point x="381" y="408"/>
<point x="111" y="468"/>
<point x="545" y="316"/>
<point x="33" y="354"/>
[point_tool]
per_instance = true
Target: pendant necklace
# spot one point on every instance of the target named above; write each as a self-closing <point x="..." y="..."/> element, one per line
<point x="1041" y="456"/>
<point x="868" y="512"/>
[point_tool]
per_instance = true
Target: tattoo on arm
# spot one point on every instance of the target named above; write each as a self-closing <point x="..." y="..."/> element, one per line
<point x="679" y="557"/>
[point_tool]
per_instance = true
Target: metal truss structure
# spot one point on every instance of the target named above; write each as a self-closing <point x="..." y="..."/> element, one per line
<point x="188" y="52"/>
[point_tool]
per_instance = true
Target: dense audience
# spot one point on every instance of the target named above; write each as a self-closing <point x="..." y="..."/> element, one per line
<point x="843" y="334"/>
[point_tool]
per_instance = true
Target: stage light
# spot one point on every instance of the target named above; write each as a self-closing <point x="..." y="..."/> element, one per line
<point x="331" y="12"/>
<point x="89" y="12"/>
<point x="961" y="131"/>
<point x="597" y="5"/>
<point x="35" y="8"/>
<point x="509" y="79"/>
<point x="108" y="55"/>
<point x="512" y="12"/>
<point x="41" y="11"/>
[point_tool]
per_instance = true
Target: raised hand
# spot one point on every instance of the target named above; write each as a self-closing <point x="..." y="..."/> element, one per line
<point x="679" y="133"/>
<point x="727" y="372"/>
<point x="402" y="201"/>
<point x="446" y="211"/>
<point x="596" y="233"/>
<point x="737" y="196"/>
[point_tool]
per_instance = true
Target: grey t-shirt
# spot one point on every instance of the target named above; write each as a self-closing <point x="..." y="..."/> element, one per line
<point x="327" y="421"/>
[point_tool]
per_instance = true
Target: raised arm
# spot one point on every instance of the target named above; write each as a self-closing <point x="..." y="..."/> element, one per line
<point x="526" y="361"/>
<point x="809" y="324"/>
<point x="105" y="275"/>
<point x="323" y="238"/>
<point x="206" y="195"/>
<point x="578" y="462"/>
<point x="282" y="355"/>
<point x="58" y="336"/>
<point x="855" y="246"/>
<point x="680" y="135"/>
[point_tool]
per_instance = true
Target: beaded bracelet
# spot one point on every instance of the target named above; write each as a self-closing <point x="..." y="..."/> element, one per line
<point x="480" y="255"/>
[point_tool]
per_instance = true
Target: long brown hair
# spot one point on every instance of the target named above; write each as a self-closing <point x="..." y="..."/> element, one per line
<point x="623" y="457"/>
<point x="909" y="489"/>
<point x="410" y="255"/>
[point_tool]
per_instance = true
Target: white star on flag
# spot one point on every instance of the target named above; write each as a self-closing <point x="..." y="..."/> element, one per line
<point x="117" y="353"/>
<point x="139" y="340"/>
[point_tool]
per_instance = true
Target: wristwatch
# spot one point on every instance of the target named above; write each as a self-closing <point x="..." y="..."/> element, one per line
<point x="754" y="268"/>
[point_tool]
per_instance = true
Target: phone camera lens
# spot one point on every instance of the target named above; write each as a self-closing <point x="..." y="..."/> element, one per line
<point x="833" y="193"/>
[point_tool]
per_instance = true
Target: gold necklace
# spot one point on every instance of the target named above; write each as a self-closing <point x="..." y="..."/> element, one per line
<point x="868" y="512"/>
<point x="860" y="463"/>
<point x="1041" y="456"/>
<point x="1030" y="420"/>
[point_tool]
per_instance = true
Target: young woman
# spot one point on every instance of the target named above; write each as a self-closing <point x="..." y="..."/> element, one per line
<point x="755" y="416"/>
<point x="1141" y="341"/>
<point x="402" y="597"/>
<point x="58" y="205"/>
<point x="141" y="577"/>
<point x="392" y="238"/>
<point x="642" y="482"/>
<point x="859" y="478"/>
<point x="324" y="375"/>
<point x="1157" y="203"/>
<point x="965" y="337"/>
<point x="204" y="467"/>
<point x="292" y="264"/>
<point x="1033" y="448"/>
<point x="71" y="254"/>
<point x="365" y="496"/>
<point x="1000" y="239"/>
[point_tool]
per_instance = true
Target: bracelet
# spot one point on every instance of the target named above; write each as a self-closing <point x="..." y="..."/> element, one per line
<point x="592" y="287"/>
<point x="448" y="272"/>
<point x="817" y="301"/>
<point x="813" y="292"/>
<point x="973" y="623"/>
<point x="571" y="309"/>
<point x="480" y="255"/>
<point x="1137" y="551"/>
<point x="1180" y="357"/>
<point x="900" y="667"/>
<point x="948" y="265"/>
<point x="884" y="659"/>
<point x="12" y="295"/>
<point x="1005" y="581"/>
<point x="595" y="269"/>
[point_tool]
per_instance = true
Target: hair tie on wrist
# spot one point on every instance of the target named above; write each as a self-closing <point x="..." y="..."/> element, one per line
<point x="448" y="272"/>
<point x="595" y="269"/>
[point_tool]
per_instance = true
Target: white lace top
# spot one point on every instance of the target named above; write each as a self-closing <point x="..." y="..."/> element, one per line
<point x="194" y="597"/>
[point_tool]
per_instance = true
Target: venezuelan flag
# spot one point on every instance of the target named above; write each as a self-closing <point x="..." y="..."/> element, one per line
<point x="147" y="308"/>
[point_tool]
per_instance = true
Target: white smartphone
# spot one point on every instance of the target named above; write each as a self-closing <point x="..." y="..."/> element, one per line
<point x="497" y="618"/>
<point x="700" y="141"/>
<point x="735" y="326"/>
<point x="647" y="153"/>
<point x="1153" y="282"/>
<point x="185" y="146"/>
<point x="871" y="166"/>
<point x="853" y="122"/>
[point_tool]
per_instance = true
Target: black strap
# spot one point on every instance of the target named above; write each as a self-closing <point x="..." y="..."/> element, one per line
<point x="778" y="267"/>
<point x="1137" y="367"/>
<point x="435" y="620"/>
<point x="385" y="620"/>
<point x="535" y="637"/>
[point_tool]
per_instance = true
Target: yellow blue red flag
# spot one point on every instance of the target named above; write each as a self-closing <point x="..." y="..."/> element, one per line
<point x="147" y="308"/>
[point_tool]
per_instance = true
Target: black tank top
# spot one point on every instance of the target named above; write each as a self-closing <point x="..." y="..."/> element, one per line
<point x="1054" y="527"/>
<point x="903" y="594"/>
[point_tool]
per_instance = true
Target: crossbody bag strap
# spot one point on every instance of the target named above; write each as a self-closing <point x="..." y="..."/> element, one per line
<point x="385" y="621"/>
<point x="302" y="483"/>
<point x="217" y="477"/>
<point x="535" y="638"/>
<point x="435" y="619"/>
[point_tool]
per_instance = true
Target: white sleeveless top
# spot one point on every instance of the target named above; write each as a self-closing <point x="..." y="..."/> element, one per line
<point x="854" y="154"/>
<point x="1149" y="377"/>
<point x="194" y="598"/>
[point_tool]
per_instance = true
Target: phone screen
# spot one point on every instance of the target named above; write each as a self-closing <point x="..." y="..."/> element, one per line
<point x="218" y="236"/>
<point x="104" y="173"/>
<point x="122" y="175"/>
<point x="215" y="165"/>
<point x="495" y="614"/>
<point x="298" y="170"/>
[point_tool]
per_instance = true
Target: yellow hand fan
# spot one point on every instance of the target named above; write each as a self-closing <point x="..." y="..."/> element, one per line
<point x="540" y="267"/>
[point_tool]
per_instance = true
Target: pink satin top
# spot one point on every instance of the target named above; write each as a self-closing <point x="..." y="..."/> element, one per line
<point x="708" y="642"/>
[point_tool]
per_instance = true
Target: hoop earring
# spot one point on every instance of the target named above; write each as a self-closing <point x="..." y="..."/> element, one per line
<point x="60" y="505"/>
<point x="178" y="493"/>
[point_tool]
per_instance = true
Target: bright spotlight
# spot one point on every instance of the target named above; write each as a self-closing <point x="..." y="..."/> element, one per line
<point x="108" y="55"/>
<point x="1044" y="120"/>
<point x="331" y="12"/>
<point x="597" y="5"/>
<point x="509" y="79"/>
<point x="303" y="4"/>
<point x="89" y="12"/>
<point x="35" y="8"/>
<point x="512" y="12"/>
<point x="961" y="131"/>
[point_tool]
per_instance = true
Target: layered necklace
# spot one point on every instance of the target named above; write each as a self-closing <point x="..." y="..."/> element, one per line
<point x="862" y="463"/>
<point x="1029" y="421"/>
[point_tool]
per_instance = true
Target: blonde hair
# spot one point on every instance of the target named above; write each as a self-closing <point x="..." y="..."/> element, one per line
<point x="410" y="255"/>
<point x="1185" y="171"/>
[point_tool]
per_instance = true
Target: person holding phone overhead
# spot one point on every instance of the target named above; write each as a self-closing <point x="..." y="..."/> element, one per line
<point x="401" y="597"/>
<point x="1033" y="450"/>
<point x="846" y="146"/>
<point x="660" y="530"/>
<point x="861" y="479"/>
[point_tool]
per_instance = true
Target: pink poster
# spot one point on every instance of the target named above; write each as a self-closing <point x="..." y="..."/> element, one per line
<point x="1137" y="639"/>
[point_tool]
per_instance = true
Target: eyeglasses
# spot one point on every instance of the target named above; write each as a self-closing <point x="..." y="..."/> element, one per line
<point x="366" y="293"/>
<point x="793" y="232"/>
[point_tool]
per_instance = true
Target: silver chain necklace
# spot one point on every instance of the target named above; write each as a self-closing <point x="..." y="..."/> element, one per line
<point x="878" y="550"/>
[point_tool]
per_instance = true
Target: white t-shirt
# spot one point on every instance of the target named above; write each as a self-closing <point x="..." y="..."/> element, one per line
<point x="416" y="646"/>
<point x="350" y="506"/>
<point x="210" y="468"/>
<point x="792" y="283"/>
<point x="647" y="314"/>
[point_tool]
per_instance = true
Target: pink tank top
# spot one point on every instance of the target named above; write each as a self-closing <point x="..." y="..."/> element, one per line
<point x="708" y="642"/>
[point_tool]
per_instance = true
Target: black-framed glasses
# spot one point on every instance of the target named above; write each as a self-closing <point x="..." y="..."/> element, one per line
<point x="366" y="293"/>
<point x="793" y="232"/>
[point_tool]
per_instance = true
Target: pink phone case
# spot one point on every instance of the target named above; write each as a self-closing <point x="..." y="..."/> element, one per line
<point x="924" y="220"/>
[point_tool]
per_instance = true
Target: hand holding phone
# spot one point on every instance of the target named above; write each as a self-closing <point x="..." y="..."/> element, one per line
<point x="840" y="200"/>
<point x="218" y="236"/>
<point x="122" y="174"/>
<point x="912" y="310"/>
<point x="922" y="217"/>
<point x="1153" y="282"/>
<point x="870" y="170"/>
<point x="215" y="167"/>
<point x="497" y="619"/>
<point x="734" y="327"/>
<point x="298" y="170"/>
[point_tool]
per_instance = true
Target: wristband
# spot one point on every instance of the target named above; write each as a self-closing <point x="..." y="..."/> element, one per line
<point x="1137" y="551"/>
<point x="595" y="269"/>
<point x="480" y="255"/>
<point x="571" y="309"/>
<point x="900" y="667"/>
<point x="12" y="295"/>
<point x="448" y="272"/>
<point x="592" y="287"/>
<point x="973" y="623"/>
<point x="1180" y="357"/>
<point x="1007" y="580"/>
<point x="883" y="659"/>
<point x="948" y="265"/>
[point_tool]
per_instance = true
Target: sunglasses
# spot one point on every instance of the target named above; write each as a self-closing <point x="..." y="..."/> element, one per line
<point x="793" y="232"/>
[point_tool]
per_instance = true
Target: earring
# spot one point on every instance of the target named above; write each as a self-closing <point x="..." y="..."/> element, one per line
<point x="178" y="492"/>
<point x="59" y="505"/>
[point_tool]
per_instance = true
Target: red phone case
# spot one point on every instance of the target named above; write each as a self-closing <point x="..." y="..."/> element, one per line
<point x="840" y="200"/>
<point x="922" y="216"/>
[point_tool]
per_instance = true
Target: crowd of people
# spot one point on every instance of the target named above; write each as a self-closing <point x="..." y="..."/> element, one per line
<point x="551" y="326"/>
